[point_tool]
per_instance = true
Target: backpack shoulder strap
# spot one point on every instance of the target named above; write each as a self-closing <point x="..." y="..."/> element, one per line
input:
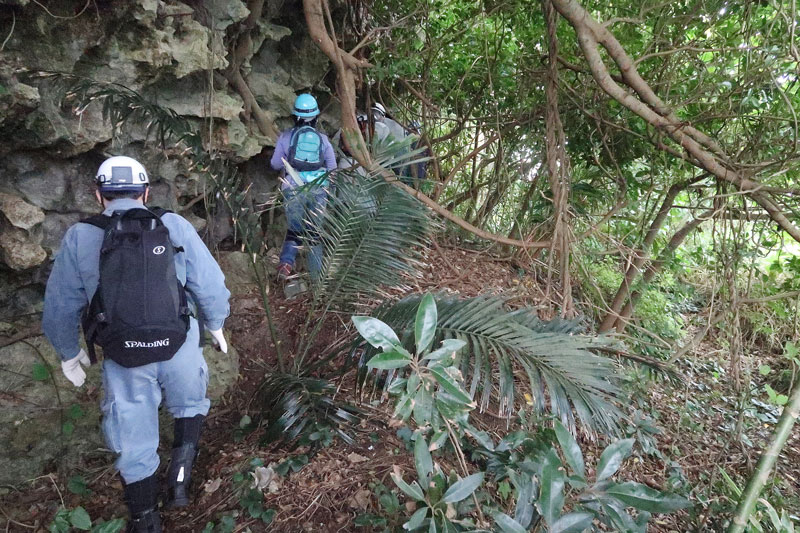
<point x="98" y="221"/>
<point x="159" y="211"/>
<point x="321" y="145"/>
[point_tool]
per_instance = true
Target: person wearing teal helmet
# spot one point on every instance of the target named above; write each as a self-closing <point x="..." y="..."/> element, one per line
<point x="305" y="106"/>
<point x="305" y="192"/>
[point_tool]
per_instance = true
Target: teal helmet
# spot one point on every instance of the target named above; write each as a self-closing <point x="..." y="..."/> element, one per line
<point x="305" y="106"/>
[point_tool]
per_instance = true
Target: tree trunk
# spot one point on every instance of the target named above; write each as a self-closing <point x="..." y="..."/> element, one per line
<point x="346" y="66"/>
<point x="639" y="257"/>
<point x="654" y="267"/>
<point x="557" y="168"/>
<point x="241" y="51"/>
<point x="766" y="463"/>
<point x="702" y="151"/>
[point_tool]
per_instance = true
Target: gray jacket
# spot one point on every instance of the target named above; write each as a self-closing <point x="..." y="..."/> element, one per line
<point x="76" y="271"/>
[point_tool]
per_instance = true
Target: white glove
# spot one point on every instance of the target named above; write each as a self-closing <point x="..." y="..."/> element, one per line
<point x="220" y="338"/>
<point x="72" y="368"/>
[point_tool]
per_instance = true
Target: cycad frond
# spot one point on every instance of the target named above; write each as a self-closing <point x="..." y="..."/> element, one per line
<point x="372" y="232"/>
<point x="288" y="403"/>
<point x="560" y="366"/>
<point x="121" y="104"/>
<point x="394" y="154"/>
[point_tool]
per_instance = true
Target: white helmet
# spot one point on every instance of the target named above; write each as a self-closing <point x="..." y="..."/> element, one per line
<point x="121" y="173"/>
<point x="378" y="111"/>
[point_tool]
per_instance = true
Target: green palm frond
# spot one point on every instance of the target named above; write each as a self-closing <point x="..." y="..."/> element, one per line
<point x="372" y="233"/>
<point x="292" y="404"/>
<point x="121" y="104"/>
<point x="394" y="154"/>
<point x="563" y="374"/>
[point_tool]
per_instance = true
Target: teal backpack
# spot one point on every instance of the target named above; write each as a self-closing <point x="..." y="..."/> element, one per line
<point x="305" y="150"/>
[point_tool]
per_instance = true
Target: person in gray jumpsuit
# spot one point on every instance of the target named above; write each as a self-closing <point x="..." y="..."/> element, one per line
<point x="133" y="395"/>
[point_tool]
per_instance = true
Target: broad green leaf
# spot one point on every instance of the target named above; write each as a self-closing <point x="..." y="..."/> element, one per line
<point x="413" y="383"/>
<point x="562" y="371"/>
<point x="647" y="499"/>
<point x="764" y="369"/>
<point x="112" y="526"/>
<point x="448" y="346"/>
<point x="448" y="526"/>
<point x="398" y="386"/>
<point x="790" y="350"/>
<point x="376" y="332"/>
<point x="416" y="519"/>
<point x="612" y="457"/>
<point x="614" y="509"/>
<point x="40" y="372"/>
<point x="422" y="460"/>
<point x="423" y="405"/>
<point x="403" y="408"/>
<point x="425" y="323"/>
<point x="413" y="490"/>
<point x="572" y="523"/>
<point x="438" y="438"/>
<point x="432" y="527"/>
<point x="504" y="489"/>
<point x="389" y="359"/>
<point x="571" y="449"/>
<point x="75" y="411"/>
<point x="436" y="488"/>
<point x="60" y="523"/>
<point x="79" y="519"/>
<point x="507" y="524"/>
<point x="68" y="428"/>
<point x="77" y="485"/>
<point x="462" y="488"/>
<point x="551" y="493"/>
<point x="449" y="383"/>
<point x="483" y="437"/>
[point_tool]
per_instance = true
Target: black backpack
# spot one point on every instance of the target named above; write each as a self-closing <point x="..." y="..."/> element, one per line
<point x="139" y="313"/>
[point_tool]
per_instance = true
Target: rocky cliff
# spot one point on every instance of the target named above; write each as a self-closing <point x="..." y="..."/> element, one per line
<point x="173" y="54"/>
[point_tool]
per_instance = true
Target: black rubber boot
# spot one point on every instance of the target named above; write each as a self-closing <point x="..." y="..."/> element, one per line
<point x="142" y="500"/>
<point x="184" y="452"/>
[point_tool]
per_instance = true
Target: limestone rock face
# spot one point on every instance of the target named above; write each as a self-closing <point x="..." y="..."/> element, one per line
<point x="19" y="242"/>
<point x="172" y="93"/>
<point x="168" y="54"/>
<point x="223" y="13"/>
<point x="45" y="421"/>
<point x="18" y="252"/>
<point x="240" y="276"/>
<point x="20" y="213"/>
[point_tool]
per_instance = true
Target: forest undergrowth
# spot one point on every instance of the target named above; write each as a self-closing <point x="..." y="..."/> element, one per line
<point x="689" y="439"/>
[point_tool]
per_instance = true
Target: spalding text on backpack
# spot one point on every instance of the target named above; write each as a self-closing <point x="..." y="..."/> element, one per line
<point x="139" y="313"/>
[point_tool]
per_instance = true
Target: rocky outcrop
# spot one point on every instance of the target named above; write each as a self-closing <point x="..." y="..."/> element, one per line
<point x="19" y="239"/>
<point x="47" y="424"/>
<point x="171" y="53"/>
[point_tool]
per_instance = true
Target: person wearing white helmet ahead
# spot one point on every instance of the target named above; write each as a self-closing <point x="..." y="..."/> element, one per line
<point x="386" y="127"/>
<point x="305" y="192"/>
<point x="183" y="282"/>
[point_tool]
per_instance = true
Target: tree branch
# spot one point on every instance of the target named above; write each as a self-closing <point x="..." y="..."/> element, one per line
<point x="699" y="146"/>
